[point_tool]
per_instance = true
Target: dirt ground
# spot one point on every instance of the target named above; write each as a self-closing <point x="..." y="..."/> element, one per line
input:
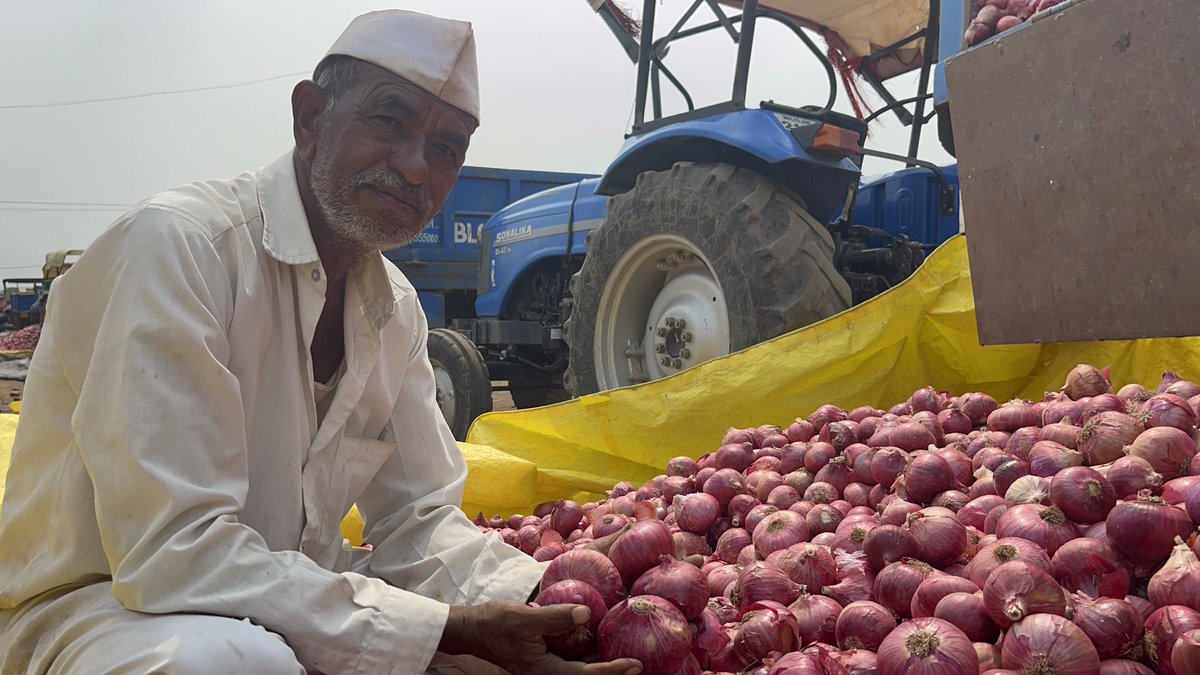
<point x="10" y="390"/>
<point x="502" y="400"/>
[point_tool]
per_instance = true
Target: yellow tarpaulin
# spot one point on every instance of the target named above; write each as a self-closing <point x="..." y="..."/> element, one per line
<point x="920" y="333"/>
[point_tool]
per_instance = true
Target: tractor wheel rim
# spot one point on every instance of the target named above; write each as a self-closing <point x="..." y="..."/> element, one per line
<point x="444" y="390"/>
<point x="661" y="311"/>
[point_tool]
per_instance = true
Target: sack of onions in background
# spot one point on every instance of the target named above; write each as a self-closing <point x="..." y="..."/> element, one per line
<point x="996" y="16"/>
<point x="21" y="340"/>
<point x="950" y="534"/>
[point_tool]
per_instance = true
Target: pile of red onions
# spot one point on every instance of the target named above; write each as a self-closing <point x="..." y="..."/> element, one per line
<point x="949" y="534"/>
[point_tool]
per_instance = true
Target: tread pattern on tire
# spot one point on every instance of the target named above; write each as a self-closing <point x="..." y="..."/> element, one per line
<point x="773" y="260"/>
<point x="469" y="374"/>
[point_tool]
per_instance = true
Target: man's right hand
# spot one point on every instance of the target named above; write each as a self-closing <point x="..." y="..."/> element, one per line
<point x="509" y="635"/>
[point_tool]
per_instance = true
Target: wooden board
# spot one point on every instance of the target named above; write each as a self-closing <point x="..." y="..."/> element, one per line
<point x="1078" y="142"/>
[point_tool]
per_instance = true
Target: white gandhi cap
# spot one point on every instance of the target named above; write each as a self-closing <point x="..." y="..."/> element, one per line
<point x="436" y="54"/>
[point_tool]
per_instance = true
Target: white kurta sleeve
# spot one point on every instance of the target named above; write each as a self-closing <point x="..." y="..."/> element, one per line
<point x="160" y="427"/>
<point x="412" y="509"/>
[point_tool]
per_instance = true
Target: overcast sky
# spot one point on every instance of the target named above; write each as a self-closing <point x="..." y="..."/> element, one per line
<point x="556" y="94"/>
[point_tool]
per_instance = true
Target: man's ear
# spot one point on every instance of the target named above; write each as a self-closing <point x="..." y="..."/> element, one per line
<point x="308" y="101"/>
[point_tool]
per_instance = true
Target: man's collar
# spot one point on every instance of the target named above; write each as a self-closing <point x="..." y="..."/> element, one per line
<point x="286" y="234"/>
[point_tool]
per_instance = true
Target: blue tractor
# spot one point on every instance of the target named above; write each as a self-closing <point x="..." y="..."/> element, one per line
<point x="722" y="226"/>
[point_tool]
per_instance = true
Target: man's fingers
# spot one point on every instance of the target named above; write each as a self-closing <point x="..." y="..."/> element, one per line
<point x="556" y="619"/>
<point x="618" y="667"/>
<point x="604" y="543"/>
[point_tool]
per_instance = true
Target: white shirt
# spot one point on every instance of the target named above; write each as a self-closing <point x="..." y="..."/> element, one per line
<point x="170" y="439"/>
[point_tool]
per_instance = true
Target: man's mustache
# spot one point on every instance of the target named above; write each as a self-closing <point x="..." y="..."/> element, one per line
<point x="382" y="178"/>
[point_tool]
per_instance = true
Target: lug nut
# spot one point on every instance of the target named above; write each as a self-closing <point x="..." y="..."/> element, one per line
<point x="686" y="353"/>
<point x="659" y="348"/>
<point x="676" y="363"/>
<point x="669" y="322"/>
<point x="685" y="336"/>
<point x="680" y="323"/>
<point x="661" y="332"/>
<point x="666" y="362"/>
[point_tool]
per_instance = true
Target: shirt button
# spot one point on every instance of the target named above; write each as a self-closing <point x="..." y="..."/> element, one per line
<point x="316" y="275"/>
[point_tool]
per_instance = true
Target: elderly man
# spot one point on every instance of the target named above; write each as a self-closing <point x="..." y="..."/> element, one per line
<point x="226" y="370"/>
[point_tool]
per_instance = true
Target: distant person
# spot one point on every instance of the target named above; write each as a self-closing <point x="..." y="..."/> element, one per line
<point x="229" y="368"/>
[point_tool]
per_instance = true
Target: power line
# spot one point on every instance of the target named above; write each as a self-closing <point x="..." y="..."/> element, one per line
<point x="169" y="92"/>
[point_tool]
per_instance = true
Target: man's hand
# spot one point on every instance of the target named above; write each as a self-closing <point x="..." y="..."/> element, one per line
<point x="509" y="635"/>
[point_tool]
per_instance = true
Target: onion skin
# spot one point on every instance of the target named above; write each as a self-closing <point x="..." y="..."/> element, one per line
<point x="1163" y="628"/>
<point x="765" y="627"/>
<point x="1130" y="475"/>
<point x="1112" y="625"/>
<point x="1092" y="566"/>
<point x="1145" y="530"/>
<point x="1043" y="525"/>
<point x="1167" y="449"/>
<point x="976" y="510"/>
<point x="816" y="618"/>
<point x="730" y="544"/>
<point x="696" y="512"/>
<point x="1018" y="589"/>
<point x="863" y="625"/>
<point x="1104" y="437"/>
<point x="590" y="567"/>
<point x="648" y="629"/>
<point x="763" y="581"/>
<point x="940" y="537"/>
<point x="933" y="589"/>
<point x="1123" y="667"/>
<point x="887" y="544"/>
<point x="809" y="565"/>
<point x="581" y="641"/>
<point x="1177" y="582"/>
<point x="896" y="584"/>
<point x="1185" y="657"/>
<point x="778" y="531"/>
<point x="927" y="475"/>
<point x="1085" y="380"/>
<point x="640" y="548"/>
<point x="926" y="646"/>
<point x="966" y="611"/>
<point x="677" y="582"/>
<point x="1049" y="642"/>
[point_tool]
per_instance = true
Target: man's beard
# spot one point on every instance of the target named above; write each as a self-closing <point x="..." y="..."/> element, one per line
<point x="348" y="221"/>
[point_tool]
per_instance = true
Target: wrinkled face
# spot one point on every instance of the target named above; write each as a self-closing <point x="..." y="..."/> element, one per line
<point x="387" y="154"/>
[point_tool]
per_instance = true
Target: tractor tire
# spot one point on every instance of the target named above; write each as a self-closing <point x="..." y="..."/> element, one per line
<point x="734" y="235"/>
<point x="464" y="391"/>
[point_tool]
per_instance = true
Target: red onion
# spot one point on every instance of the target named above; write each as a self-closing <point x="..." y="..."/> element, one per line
<point x="1113" y="625"/>
<point x="863" y="625"/>
<point x="677" y="485"/>
<point x="723" y="609"/>
<point x="987" y="439"/>
<point x="723" y="485"/>
<point x="1142" y="605"/>
<point x="800" y="430"/>
<point x="993" y="517"/>
<point x="738" y="436"/>
<point x="799" y="479"/>
<point x="836" y="472"/>
<point x="933" y="589"/>
<point x="1061" y="432"/>
<point x="824" y="415"/>
<point x="1043" y="525"/>
<point x="590" y="567"/>
<point x="887" y="544"/>
<point x="1022" y="441"/>
<point x="858" y="494"/>
<point x="731" y="542"/>
<point x="940" y="537"/>
<point x="1123" y="667"/>
<point x="852" y="533"/>
<point x="1048" y="643"/>
<point x="1105" y="436"/>
<point x="1167" y="449"/>
<point x="690" y="543"/>
<point x="928" y="474"/>
<point x="959" y="463"/>
<point x="863" y="412"/>
<point x="818" y="456"/>
<point x="696" y="512"/>
<point x="783" y="496"/>
<point x="1145" y="529"/>
<point x="966" y="610"/>
<point x="816" y="616"/>
<point x="853" y="587"/>
<point x="886" y="464"/>
<point x="1095" y="405"/>
<point x="757" y="514"/>
<point x="739" y="507"/>
<point x="763" y="581"/>
<point x="1013" y="472"/>
<point x="1085" y="380"/>
<point x="793" y="663"/>
<point x="778" y="531"/>
<point x="809" y="565"/>
<point x="989" y="458"/>
<point x="710" y="637"/>
<point x="974" y="512"/>
<point x="1093" y="566"/>
<point x="1130" y="475"/>
<point x="1185" y="657"/>
<point x="549" y="551"/>
<point x="608" y="524"/>
<point x="839" y="434"/>
<point x="1177" y="582"/>
<point x="1174" y="491"/>
<point x="897" y="511"/>
<point x="1163" y="628"/>
<point x="1134" y="393"/>
<point x="926" y="646"/>
<point x="1173" y="384"/>
<point x="911" y="436"/>
<point x="648" y="629"/>
<point x="774" y="440"/>
<point x="677" y="582"/>
<point x="682" y="466"/>
<point x="582" y="640"/>
<point x="1082" y="494"/>
<point x="822" y="518"/>
<point x="1047" y="458"/>
<point x="735" y="456"/>
<point x="1018" y="589"/>
<point x="977" y="407"/>
<point x="1012" y="416"/>
<point x="640" y="548"/>
<point x="896" y="584"/>
<point x="760" y="483"/>
<point x="747" y="556"/>
<point x="765" y="627"/>
<point x="820" y="493"/>
<point x="1167" y="410"/>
